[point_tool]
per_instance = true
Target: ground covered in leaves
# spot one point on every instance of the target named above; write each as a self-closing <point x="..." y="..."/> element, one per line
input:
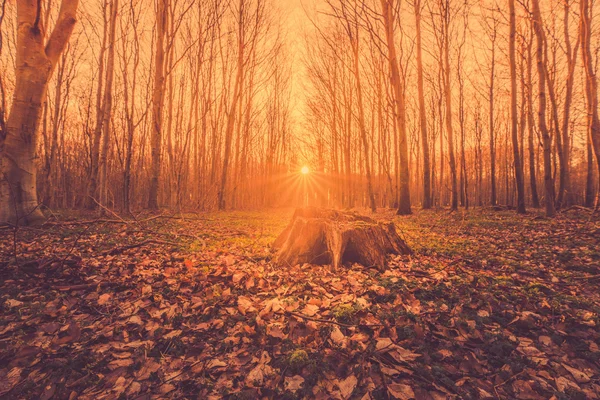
<point x="491" y="305"/>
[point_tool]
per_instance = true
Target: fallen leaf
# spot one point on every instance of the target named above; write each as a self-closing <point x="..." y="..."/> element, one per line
<point x="103" y="299"/>
<point x="173" y="334"/>
<point x="580" y="376"/>
<point x="274" y="330"/>
<point x="310" y="310"/>
<point x="73" y="334"/>
<point x="347" y="386"/>
<point x="402" y="354"/>
<point x="337" y="336"/>
<point x="384" y="344"/>
<point x="400" y="391"/>
<point x="11" y="303"/>
<point x="136" y="320"/>
<point x="215" y="363"/>
<point x="245" y="305"/>
<point x="126" y="362"/>
<point x="10" y="380"/>
<point x="563" y="384"/>
<point x="293" y="383"/>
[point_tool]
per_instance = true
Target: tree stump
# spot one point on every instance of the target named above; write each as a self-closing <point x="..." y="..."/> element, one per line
<point x="320" y="236"/>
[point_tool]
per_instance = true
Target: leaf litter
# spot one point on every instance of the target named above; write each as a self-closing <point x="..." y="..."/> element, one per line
<point x="490" y="306"/>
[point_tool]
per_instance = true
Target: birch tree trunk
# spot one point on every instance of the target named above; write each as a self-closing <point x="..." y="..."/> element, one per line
<point x="36" y="59"/>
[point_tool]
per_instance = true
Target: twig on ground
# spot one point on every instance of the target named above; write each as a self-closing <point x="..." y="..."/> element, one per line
<point x="505" y="382"/>
<point x="119" y="250"/>
<point x="422" y="274"/>
<point x="85" y="286"/>
<point x="326" y="321"/>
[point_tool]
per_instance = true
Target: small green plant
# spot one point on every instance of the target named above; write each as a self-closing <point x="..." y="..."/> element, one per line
<point x="346" y="312"/>
<point x="298" y="358"/>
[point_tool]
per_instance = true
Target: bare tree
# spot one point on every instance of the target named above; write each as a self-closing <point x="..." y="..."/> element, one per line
<point x="513" y="110"/>
<point x="158" y="99"/>
<point x="591" y="84"/>
<point x="427" y="203"/>
<point x="446" y="17"/>
<point x="36" y="60"/>
<point x="388" y="7"/>
<point x="108" y="104"/>
<point x="538" y="28"/>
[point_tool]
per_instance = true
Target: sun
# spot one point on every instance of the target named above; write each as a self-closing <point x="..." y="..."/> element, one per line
<point x="305" y="170"/>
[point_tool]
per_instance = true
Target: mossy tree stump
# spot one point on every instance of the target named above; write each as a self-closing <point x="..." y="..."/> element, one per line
<point x="320" y="236"/>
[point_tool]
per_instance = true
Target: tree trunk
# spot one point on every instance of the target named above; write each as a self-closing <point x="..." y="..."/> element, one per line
<point x="513" y="112"/>
<point x="448" y="98"/>
<point x="494" y="198"/>
<point x="97" y="135"/>
<point x="591" y="86"/>
<point x="400" y="108"/>
<point x="422" y="112"/>
<point x="546" y="139"/>
<point x="565" y="194"/>
<point x="108" y="101"/>
<point x="535" y="199"/>
<point x="232" y="110"/>
<point x="157" y="102"/>
<point x="362" y="124"/>
<point x="35" y="62"/>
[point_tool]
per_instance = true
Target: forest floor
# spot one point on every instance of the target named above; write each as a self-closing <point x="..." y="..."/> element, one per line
<point x="491" y="305"/>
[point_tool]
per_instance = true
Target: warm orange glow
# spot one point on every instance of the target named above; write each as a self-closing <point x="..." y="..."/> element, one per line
<point x="305" y="170"/>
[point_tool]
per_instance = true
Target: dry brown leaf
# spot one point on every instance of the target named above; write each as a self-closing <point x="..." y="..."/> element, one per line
<point x="103" y="299"/>
<point x="215" y="363"/>
<point x="563" y="384"/>
<point x="293" y="383"/>
<point x="172" y="334"/>
<point x="10" y="380"/>
<point x="337" y="336"/>
<point x="401" y="391"/>
<point x="402" y="354"/>
<point x="347" y="386"/>
<point x="275" y="330"/>
<point x="120" y="363"/>
<point x="11" y="303"/>
<point x="580" y="376"/>
<point x="310" y="310"/>
<point x="245" y="305"/>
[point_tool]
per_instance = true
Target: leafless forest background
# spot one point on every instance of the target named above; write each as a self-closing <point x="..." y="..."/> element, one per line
<point x="206" y="104"/>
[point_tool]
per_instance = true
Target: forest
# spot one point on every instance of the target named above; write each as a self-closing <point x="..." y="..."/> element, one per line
<point x="299" y="199"/>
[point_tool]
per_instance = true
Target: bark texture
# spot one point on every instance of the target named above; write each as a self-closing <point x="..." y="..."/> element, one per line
<point x="319" y="236"/>
<point x="36" y="59"/>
